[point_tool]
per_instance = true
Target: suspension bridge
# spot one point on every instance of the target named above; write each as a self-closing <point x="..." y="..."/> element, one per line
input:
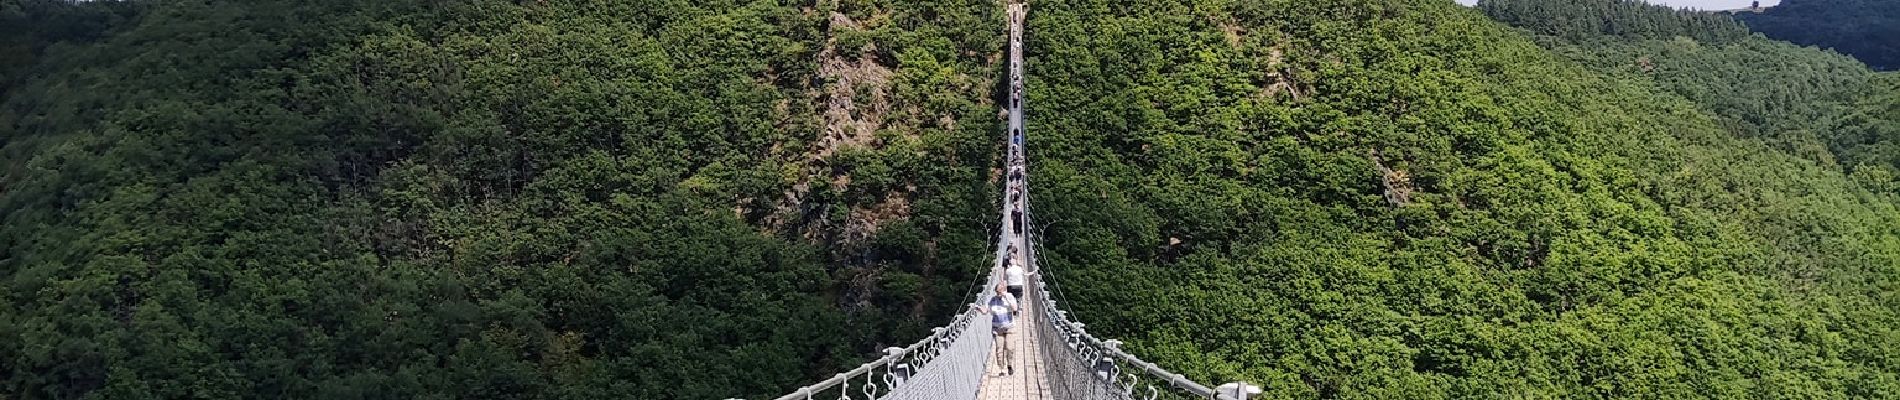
<point x="1046" y="354"/>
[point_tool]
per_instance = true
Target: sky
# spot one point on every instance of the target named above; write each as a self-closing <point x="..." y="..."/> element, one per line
<point x="1700" y="4"/>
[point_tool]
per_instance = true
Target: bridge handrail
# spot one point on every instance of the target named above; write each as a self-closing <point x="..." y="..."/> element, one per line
<point x="1084" y="366"/>
<point x="892" y="355"/>
<point x="921" y="352"/>
<point x="1087" y="345"/>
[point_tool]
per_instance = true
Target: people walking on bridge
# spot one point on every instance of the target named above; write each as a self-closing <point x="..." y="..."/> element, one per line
<point x="1015" y="275"/>
<point x="1002" y="309"/>
<point x="1016" y="217"/>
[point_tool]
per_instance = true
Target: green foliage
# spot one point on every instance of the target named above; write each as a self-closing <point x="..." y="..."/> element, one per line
<point x="1862" y="28"/>
<point x="1761" y="88"/>
<point x="29" y="27"/>
<point x="1337" y="198"/>
<point x="1815" y="104"/>
<point x="1625" y="19"/>
<point x="486" y="199"/>
<point x="1869" y="135"/>
<point x="1402" y="199"/>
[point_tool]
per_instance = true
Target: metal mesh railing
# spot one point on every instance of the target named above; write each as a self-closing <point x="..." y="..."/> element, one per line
<point x="951" y="363"/>
<point x="956" y="369"/>
<point x="1080" y="366"/>
<point x="946" y="365"/>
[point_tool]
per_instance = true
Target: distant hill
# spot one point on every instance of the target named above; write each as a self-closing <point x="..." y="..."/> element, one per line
<point x="1866" y="29"/>
<point x="1811" y="102"/>
<point x="1762" y="88"/>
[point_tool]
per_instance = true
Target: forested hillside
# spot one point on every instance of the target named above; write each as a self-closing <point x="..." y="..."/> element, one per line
<point x="1863" y="28"/>
<point x="483" y="199"/>
<point x="1792" y="96"/>
<point x="1404" y="199"/>
<point x="27" y="27"/>
<point x="1868" y="136"/>
<point x="1625" y="19"/>
<point x="410" y="199"/>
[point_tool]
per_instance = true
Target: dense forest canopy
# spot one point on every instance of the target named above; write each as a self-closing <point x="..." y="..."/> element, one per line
<point x="482" y="199"/>
<point x="1867" y="137"/>
<point x="28" y="27"/>
<point x="1403" y="199"/>
<point x="1789" y="95"/>
<point x="660" y="199"/>
<point x="1629" y="19"/>
<point x="1865" y="29"/>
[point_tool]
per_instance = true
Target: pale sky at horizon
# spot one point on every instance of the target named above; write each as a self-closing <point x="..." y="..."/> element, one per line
<point x="1698" y="4"/>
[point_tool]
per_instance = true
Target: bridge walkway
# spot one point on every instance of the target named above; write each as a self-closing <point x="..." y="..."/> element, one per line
<point x="1052" y="355"/>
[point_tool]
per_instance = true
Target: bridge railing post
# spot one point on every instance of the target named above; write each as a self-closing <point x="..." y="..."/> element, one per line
<point x="1236" y="390"/>
<point x="1105" y="365"/>
<point x="898" y="371"/>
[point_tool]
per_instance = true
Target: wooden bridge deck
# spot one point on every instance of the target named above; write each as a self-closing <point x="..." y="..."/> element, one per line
<point x="1028" y="380"/>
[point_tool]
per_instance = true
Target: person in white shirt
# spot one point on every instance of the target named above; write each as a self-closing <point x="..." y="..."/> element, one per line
<point x="1003" y="310"/>
<point x="1014" y="275"/>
